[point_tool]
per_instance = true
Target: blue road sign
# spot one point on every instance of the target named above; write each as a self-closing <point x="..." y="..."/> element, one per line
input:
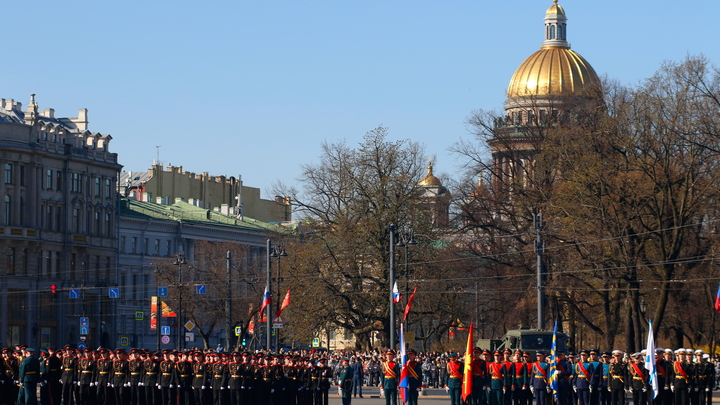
<point x="84" y="321"/>
<point x="114" y="293"/>
<point x="74" y="293"/>
<point x="81" y="346"/>
<point x="124" y="341"/>
<point x="162" y="291"/>
<point x="165" y="330"/>
<point x="166" y="339"/>
<point x="201" y="289"/>
<point x="316" y="342"/>
<point x="84" y="330"/>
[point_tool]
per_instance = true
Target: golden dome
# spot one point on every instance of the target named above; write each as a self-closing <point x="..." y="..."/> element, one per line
<point x="553" y="71"/>
<point x="429" y="179"/>
<point x="555" y="9"/>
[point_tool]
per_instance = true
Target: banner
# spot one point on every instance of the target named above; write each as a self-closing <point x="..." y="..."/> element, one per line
<point x="467" y="372"/>
<point x="553" y="362"/>
<point x="166" y="311"/>
<point x="650" y="364"/>
<point x="153" y="312"/>
<point x="285" y="303"/>
<point x="404" y="379"/>
<point x="409" y="304"/>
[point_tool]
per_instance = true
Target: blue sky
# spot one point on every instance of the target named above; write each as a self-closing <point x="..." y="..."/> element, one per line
<point x="254" y="87"/>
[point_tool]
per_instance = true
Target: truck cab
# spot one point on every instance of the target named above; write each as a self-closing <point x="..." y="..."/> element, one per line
<point x="526" y="339"/>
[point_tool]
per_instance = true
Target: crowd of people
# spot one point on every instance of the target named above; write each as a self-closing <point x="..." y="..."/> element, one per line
<point x="306" y="377"/>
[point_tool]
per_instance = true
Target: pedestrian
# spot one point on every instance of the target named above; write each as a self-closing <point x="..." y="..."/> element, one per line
<point x="357" y="379"/>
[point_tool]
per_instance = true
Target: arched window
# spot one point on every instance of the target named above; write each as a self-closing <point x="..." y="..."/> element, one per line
<point x="552" y="32"/>
<point x="561" y="31"/>
<point x="8" y="210"/>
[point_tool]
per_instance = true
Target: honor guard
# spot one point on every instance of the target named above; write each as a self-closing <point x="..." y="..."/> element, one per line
<point x="68" y="378"/>
<point x="583" y="374"/>
<point x="199" y="377"/>
<point x="605" y="397"/>
<point x="539" y="379"/>
<point x="346" y="381"/>
<point x="414" y="372"/>
<point x="518" y="372"/>
<point x="390" y="376"/>
<point x="86" y="370"/>
<point x="478" y="368"/>
<point x="184" y="379"/>
<point x="681" y="378"/>
<point x="704" y="379"/>
<point x="103" y="368"/>
<point x="454" y="384"/>
<point x="151" y="372"/>
<point x="219" y="379"/>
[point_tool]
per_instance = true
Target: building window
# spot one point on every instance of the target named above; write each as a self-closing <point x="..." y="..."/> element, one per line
<point x="157" y="248"/>
<point x="552" y="32"/>
<point x="57" y="226"/>
<point x="76" y="186"/>
<point x="107" y="268"/>
<point x="168" y="248"/>
<point x="58" y="184"/>
<point x="134" y="245"/>
<point x="48" y="264"/>
<point x="135" y="287"/>
<point x="97" y="186"/>
<point x="122" y="244"/>
<point x="23" y="269"/>
<point x="8" y="173"/>
<point x="73" y="266"/>
<point x="108" y="230"/>
<point x="146" y="246"/>
<point x="108" y="189"/>
<point x="21" y="211"/>
<point x="56" y="267"/>
<point x="8" y="210"/>
<point x="10" y="261"/>
<point x="22" y="175"/>
<point x="98" y="226"/>
<point x="76" y="220"/>
<point x="49" y="179"/>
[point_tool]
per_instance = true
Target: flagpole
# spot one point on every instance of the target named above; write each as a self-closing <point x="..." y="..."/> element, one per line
<point x="268" y="321"/>
<point x="391" y="343"/>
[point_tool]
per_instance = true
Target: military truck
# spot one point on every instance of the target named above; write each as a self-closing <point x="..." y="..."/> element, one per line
<point x="526" y="339"/>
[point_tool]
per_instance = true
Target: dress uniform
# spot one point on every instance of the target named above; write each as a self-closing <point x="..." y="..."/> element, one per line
<point x="390" y="376"/>
<point x="564" y="373"/>
<point x="86" y="372"/>
<point x="68" y="378"/>
<point x="234" y="379"/>
<point x="414" y="373"/>
<point x="638" y="380"/>
<point x="704" y="379"/>
<point x="508" y="391"/>
<point x="596" y="377"/>
<point x="539" y="379"/>
<point x="345" y="381"/>
<point x="618" y="377"/>
<point x="53" y="375"/>
<point x="103" y="368"/>
<point x="184" y="379"/>
<point x="120" y="375"/>
<point x="199" y="377"/>
<point x="518" y="373"/>
<point x="324" y="374"/>
<point x="454" y="371"/>
<point x="498" y="380"/>
<point x="681" y="379"/>
<point x="605" y="397"/>
<point x="478" y="368"/>
<point x="28" y="376"/>
<point x="246" y="371"/>
<point x="584" y="372"/>
<point x="219" y="379"/>
<point x="151" y="372"/>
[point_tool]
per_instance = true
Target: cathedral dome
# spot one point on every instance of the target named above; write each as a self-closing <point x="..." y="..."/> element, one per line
<point x="430" y="179"/>
<point x="555" y="69"/>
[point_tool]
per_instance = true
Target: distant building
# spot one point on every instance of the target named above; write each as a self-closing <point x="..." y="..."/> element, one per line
<point x="58" y="227"/>
<point x="228" y="194"/>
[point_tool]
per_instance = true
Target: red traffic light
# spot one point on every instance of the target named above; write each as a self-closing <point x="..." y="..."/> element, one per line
<point x="53" y="289"/>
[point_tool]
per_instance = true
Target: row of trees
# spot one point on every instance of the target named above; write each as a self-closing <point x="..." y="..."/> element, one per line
<point x="628" y="186"/>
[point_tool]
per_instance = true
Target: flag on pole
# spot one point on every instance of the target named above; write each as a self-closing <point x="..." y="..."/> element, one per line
<point x="467" y="372"/>
<point x="267" y="299"/>
<point x="650" y="364"/>
<point x="396" y="294"/>
<point x="409" y="303"/>
<point x="717" y="300"/>
<point x="284" y="304"/>
<point x="552" y="375"/>
<point x="404" y="379"/>
<point x="153" y="312"/>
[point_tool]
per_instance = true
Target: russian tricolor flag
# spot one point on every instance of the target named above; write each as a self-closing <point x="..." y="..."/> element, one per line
<point x="267" y="299"/>
<point x="404" y="379"/>
<point x="396" y="294"/>
<point x="717" y="300"/>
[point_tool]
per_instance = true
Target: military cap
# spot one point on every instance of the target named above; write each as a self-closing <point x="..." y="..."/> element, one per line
<point x="526" y="354"/>
<point x="29" y="349"/>
<point x="605" y="354"/>
<point x="390" y="351"/>
<point x="571" y="354"/>
<point x="69" y="347"/>
<point x="51" y="349"/>
<point x="43" y="350"/>
<point x="668" y="350"/>
<point x="507" y="351"/>
<point x="698" y="351"/>
<point x="585" y="352"/>
<point x="497" y="353"/>
<point x="617" y="352"/>
<point x="412" y="351"/>
<point x="635" y="355"/>
<point x="118" y="351"/>
<point x="236" y="353"/>
<point x="594" y="351"/>
<point x="477" y="349"/>
<point x="453" y="355"/>
<point x="540" y="353"/>
<point x="167" y="351"/>
<point x="345" y="359"/>
<point x="518" y="351"/>
<point x="486" y="351"/>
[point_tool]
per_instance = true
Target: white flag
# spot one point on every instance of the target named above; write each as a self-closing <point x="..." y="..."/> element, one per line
<point x="650" y="360"/>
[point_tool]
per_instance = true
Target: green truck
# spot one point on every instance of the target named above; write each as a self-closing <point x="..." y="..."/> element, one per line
<point x="526" y="339"/>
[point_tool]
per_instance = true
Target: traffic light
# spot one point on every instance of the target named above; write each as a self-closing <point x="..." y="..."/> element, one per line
<point x="244" y="342"/>
<point x="53" y="289"/>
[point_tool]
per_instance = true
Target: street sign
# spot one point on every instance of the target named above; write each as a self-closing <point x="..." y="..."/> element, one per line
<point x="84" y="321"/>
<point x="165" y="330"/>
<point x="162" y="291"/>
<point x="124" y="341"/>
<point x="201" y="289"/>
<point x="84" y="330"/>
<point x="139" y="315"/>
<point x="189" y="337"/>
<point x="316" y="342"/>
<point x="238" y="330"/>
<point x="81" y="346"/>
<point x="189" y="325"/>
<point x="114" y="293"/>
<point x="278" y="323"/>
<point x="74" y="293"/>
<point x="165" y="339"/>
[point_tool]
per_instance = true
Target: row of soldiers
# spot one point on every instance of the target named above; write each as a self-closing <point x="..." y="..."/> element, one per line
<point x="104" y="377"/>
<point x="592" y="379"/>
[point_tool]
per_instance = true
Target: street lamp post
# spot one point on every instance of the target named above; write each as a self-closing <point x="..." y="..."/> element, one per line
<point x="391" y="284"/>
<point x="278" y="251"/>
<point x="268" y="321"/>
<point x="179" y="261"/>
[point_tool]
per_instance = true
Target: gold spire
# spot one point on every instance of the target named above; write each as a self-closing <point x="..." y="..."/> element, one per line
<point x="430" y="179"/>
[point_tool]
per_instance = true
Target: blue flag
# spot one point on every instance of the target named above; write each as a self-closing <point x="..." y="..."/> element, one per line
<point x="553" y="379"/>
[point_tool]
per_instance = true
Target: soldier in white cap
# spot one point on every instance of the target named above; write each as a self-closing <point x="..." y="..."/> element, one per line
<point x="704" y="380"/>
<point x="681" y="380"/>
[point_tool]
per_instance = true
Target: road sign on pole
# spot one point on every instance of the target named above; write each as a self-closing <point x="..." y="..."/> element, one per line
<point x="84" y="330"/>
<point x="238" y="330"/>
<point x="139" y="315"/>
<point x="316" y="342"/>
<point x="278" y="323"/>
<point x="165" y="339"/>
<point x="74" y="293"/>
<point x="124" y="341"/>
<point x="84" y="321"/>
<point x="165" y="330"/>
<point x="114" y="293"/>
<point x="162" y="291"/>
<point x="81" y="345"/>
<point x="201" y="289"/>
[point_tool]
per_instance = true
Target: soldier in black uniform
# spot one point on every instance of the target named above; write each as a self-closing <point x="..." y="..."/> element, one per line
<point x="681" y="378"/>
<point x="199" y="377"/>
<point x="120" y="376"/>
<point x="247" y="379"/>
<point x="235" y="378"/>
<point x="53" y="375"/>
<point x="69" y="375"/>
<point x="617" y="378"/>
<point x="324" y="374"/>
<point x="704" y="379"/>
<point x="219" y="379"/>
<point x="103" y="368"/>
<point x="664" y="365"/>
<point x="151" y="372"/>
<point x="135" y="368"/>
<point x="184" y="379"/>
<point x="86" y="372"/>
<point x="166" y="379"/>
<point x="638" y="380"/>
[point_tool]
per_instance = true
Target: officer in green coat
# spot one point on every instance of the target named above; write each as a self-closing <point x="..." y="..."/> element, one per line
<point x="390" y="378"/>
<point x="28" y="378"/>
<point x="346" y="377"/>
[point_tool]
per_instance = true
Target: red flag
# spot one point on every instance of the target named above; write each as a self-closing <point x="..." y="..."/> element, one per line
<point x="409" y="303"/>
<point x="717" y="300"/>
<point x="166" y="311"/>
<point x="284" y="304"/>
<point x="267" y="299"/>
<point x="467" y="373"/>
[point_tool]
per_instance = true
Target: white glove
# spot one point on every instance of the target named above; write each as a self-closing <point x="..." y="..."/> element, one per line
<point x="272" y="390"/>
<point x="665" y="388"/>
<point x="141" y="384"/>
<point x="171" y="386"/>
<point x="672" y="388"/>
<point x="222" y="388"/>
<point x="532" y="390"/>
<point x="159" y="387"/>
<point x="575" y="389"/>
<point x="16" y="382"/>
<point x="128" y="385"/>
<point x="203" y="387"/>
<point x="78" y="383"/>
<point x="109" y="385"/>
<point x="42" y="384"/>
<point x="696" y="389"/>
<point x="300" y="389"/>
<point x="512" y="388"/>
<point x="707" y="389"/>
<point x="318" y="388"/>
<point x="242" y="388"/>
<point x="21" y="384"/>
<point x="486" y="389"/>
<point x="644" y="389"/>
<point x="548" y="390"/>
<point x="591" y="388"/>
<point x="504" y="390"/>
<point x="524" y="387"/>
<point x="447" y="389"/>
